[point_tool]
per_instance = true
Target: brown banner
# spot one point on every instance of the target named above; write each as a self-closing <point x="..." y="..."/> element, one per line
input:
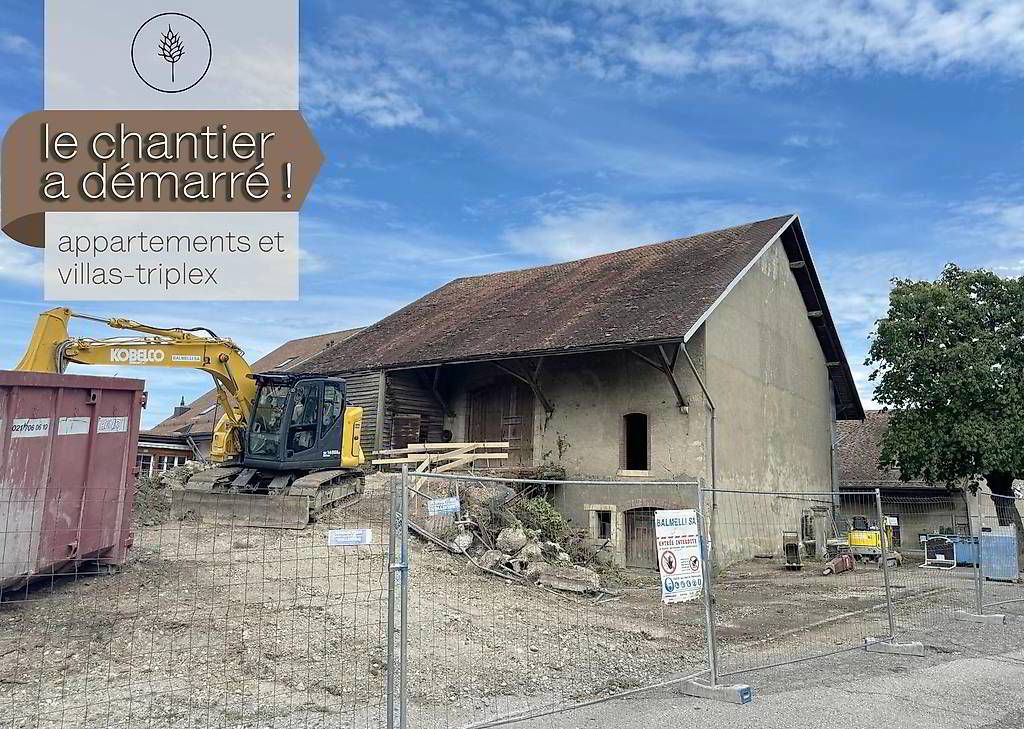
<point x="167" y="161"/>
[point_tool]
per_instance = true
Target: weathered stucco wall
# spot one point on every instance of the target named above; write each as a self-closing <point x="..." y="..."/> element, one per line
<point x="768" y="376"/>
<point x="764" y="368"/>
<point x="591" y="395"/>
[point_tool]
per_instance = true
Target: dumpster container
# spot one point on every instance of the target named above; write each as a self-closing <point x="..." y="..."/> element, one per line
<point x="67" y="471"/>
<point x="999" y="557"/>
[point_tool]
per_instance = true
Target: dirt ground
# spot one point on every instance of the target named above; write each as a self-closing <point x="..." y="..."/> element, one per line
<point x="231" y="626"/>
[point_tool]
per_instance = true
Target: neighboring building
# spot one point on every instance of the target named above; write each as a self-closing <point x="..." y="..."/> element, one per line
<point x="919" y="508"/>
<point x="584" y="365"/>
<point x="190" y="427"/>
<point x="158" y="453"/>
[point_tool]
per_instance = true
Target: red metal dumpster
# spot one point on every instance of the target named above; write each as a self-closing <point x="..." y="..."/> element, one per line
<point x="67" y="461"/>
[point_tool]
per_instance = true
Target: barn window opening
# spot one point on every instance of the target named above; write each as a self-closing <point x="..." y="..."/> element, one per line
<point x="604" y="525"/>
<point x="636" y="446"/>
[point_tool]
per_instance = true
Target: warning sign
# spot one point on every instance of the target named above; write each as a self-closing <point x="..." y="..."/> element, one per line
<point x="679" y="555"/>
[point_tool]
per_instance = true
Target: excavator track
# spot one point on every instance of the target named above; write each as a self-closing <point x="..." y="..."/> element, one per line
<point x="218" y="495"/>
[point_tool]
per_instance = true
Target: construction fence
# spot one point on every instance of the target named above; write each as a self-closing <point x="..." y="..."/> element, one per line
<point x="440" y="600"/>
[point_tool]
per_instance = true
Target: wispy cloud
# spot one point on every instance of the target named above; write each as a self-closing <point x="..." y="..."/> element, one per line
<point x="16" y="45"/>
<point x="416" y="67"/>
<point x="568" y="227"/>
<point x="20" y="264"/>
<point x="808" y="141"/>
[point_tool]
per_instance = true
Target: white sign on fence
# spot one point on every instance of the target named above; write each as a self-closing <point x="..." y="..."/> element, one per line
<point x="349" y="537"/>
<point x="679" y="555"/>
<point x="437" y="507"/>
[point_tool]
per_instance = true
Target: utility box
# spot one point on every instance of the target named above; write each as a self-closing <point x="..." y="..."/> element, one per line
<point x="67" y="471"/>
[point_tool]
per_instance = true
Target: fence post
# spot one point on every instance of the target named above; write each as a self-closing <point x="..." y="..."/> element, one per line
<point x="883" y="541"/>
<point x="404" y="609"/>
<point x="979" y="582"/>
<point x="890" y="644"/>
<point x="735" y="694"/>
<point x="707" y="572"/>
<point x="392" y="602"/>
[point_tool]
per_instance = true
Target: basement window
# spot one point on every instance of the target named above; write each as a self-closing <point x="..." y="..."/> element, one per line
<point x="635" y="442"/>
<point x="604" y="525"/>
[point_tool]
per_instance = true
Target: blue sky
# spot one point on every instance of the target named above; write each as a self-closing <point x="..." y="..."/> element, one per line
<point x="468" y="137"/>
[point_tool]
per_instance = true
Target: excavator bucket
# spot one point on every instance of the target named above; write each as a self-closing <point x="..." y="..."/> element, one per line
<point x="219" y="496"/>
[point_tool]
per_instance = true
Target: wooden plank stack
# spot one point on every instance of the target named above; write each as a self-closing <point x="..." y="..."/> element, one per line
<point x="442" y="457"/>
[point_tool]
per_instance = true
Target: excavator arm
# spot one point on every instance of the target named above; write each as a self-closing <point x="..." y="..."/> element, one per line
<point x="52" y="348"/>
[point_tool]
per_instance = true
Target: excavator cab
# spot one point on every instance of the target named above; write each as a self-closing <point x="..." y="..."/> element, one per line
<point x="300" y="422"/>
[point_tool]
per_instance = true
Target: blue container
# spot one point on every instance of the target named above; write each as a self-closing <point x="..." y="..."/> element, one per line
<point x="965" y="551"/>
<point x="999" y="558"/>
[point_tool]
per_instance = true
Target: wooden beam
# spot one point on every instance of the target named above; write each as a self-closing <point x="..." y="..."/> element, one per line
<point x="437" y="393"/>
<point x="532" y="382"/>
<point x="644" y="358"/>
<point x="680" y="400"/>
<point x="378" y="417"/>
<point x="665" y="366"/>
<point x="420" y="447"/>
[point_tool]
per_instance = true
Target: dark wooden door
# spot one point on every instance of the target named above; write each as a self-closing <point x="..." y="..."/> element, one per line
<point x="503" y="411"/>
<point x="406" y="430"/>
<point x="641" y="546"/>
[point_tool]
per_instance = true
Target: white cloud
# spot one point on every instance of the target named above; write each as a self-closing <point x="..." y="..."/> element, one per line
<point x="17" y="45"/>
<point x="990" y="221"/>
<point x="19" y="263"/>
<point x="414" y="68"/>
<point x="565" y="228"/>
<point x="773" y="37"/>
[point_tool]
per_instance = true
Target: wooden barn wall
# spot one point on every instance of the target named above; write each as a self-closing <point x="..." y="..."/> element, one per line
<point x="361" y="391"/>
<point x="409" y="393"/>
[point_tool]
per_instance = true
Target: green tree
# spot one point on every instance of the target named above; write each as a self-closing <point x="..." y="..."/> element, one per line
<point x="948" y="363"/>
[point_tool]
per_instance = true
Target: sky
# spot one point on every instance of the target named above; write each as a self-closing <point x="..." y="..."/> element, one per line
<point x="469" y="137"/>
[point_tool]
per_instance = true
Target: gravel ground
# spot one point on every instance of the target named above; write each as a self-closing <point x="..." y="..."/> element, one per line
<point x="219" y="626"/>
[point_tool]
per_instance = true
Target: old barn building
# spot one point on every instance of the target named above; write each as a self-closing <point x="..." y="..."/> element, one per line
<point x="628" y="365"/>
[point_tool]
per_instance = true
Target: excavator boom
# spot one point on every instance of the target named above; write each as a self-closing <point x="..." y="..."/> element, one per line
<point x="286" y="446"/>
<point x="52" y="348"/>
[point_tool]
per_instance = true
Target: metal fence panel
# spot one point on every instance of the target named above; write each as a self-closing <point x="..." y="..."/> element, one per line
<point x="490" y="637"/>
<point x="936" y="570"/>
<point x="774" y="603"/>
<point x="1002" y="587"/>
<point x="204" y="625"/>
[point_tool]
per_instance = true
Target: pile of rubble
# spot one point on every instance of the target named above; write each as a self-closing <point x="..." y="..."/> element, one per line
<point x="153" y="493"/>
<point x="517" y="537"/>
<point x="521" y="553"/>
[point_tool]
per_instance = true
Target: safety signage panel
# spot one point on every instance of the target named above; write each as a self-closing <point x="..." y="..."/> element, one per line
<point x="437" y="507"/>
<point x="679" y="555"/>
<point x="349" y="537"/>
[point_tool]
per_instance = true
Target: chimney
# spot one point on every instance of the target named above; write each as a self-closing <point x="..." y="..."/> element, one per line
<point x="181" y="409"/>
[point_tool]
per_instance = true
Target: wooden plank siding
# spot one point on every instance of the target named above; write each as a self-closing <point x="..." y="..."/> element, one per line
<point x="361" y="391"/>
<point x="409" y="393"/>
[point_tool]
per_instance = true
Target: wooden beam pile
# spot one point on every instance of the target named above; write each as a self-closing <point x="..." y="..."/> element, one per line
<point x="441" y="457"/>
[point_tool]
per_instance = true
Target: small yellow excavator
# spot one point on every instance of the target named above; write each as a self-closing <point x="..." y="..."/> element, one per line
<point x="286" y="448"/>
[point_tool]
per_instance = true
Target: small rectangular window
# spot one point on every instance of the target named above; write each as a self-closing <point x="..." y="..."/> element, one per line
<point x="635" y="442"/>
<point x="604" y="525"/>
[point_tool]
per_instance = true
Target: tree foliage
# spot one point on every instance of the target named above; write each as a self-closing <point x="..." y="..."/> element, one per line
<point x="948" y="363"/>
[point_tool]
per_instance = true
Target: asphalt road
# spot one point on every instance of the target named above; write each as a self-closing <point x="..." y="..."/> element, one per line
<point x="972" y="677"/>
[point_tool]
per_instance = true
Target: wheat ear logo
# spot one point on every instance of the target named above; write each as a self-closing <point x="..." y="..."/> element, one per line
<point x="176" y="40"/>
<point x="171" y="48"/>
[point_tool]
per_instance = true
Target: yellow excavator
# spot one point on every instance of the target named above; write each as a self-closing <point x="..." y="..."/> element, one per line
<point x="286" y="448"/>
